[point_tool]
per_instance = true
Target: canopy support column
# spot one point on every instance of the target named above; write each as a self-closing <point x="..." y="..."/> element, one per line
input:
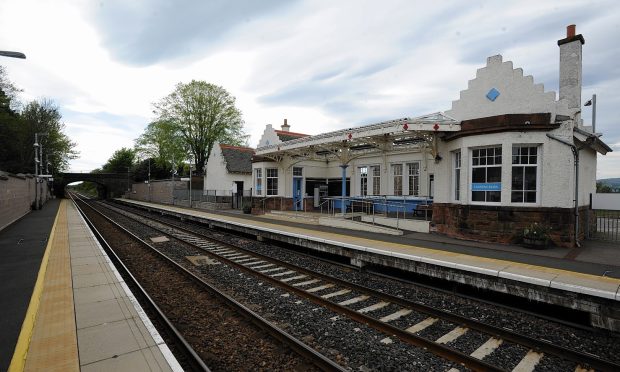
<point x="344" y="188"/>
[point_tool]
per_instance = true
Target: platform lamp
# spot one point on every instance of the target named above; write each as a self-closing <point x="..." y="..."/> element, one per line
<point x="6" y="53"/>
<point x="592" y="102"/>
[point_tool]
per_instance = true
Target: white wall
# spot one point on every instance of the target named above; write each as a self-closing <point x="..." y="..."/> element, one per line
<point x="518" y="94"/>
<point x="555" y="170"/>
<point x="218" y="178"/>
<point x="269" y="137"/>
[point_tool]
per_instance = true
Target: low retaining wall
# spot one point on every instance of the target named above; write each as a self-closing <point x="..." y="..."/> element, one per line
<point x="156" y="191"/>
<point x="503" y="224"/>
<point x="17" y="196"/>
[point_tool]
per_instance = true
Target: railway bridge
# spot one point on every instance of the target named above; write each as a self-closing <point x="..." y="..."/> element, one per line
<point x="109" y="185"/>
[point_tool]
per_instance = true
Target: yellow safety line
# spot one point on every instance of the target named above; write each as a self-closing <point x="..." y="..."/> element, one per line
<point x="388" y="245"/>
<point x="18" y="362"/>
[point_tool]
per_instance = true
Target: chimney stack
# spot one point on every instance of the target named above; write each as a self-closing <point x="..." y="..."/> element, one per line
<point x="570" y="68"/>
<point x="285" y="126"/>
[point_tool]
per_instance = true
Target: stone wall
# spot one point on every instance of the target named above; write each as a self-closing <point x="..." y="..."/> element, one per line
<point x="279" y="204"/>
<point x="17" y="196"/>
<point x="504" y="224"/>
<point x="156" y="191"/>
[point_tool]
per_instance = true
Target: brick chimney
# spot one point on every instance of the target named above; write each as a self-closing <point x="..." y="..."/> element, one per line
<point x="285" y="127"/>
<point x="570" y="68"/>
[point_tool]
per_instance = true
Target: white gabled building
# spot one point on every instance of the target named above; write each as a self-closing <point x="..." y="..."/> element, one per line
<point x="229" y="168"/>
<point x="504" y="156"/>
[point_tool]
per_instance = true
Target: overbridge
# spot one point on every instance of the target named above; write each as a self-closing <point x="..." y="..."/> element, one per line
<point x="109" y="185"/>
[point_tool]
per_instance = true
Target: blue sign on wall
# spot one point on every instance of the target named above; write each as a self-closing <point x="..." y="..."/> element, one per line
<point x="494" y="186"/>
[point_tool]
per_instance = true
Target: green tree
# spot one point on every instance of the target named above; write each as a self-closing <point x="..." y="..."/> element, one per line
<point x="204" y="114"/>
<point x="157" y="171"/>
<point x="44" y="117"/>
<point x="9" y="90"/>
<point x="18" y="133"/>
<point x="161" y="141"/>
<point x="121" y="161"/>
<point x="603" y="188"/>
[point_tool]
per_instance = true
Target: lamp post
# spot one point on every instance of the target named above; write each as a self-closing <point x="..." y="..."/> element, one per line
<point x="592" y="102"/>
<point x="149" y="179"/>
<point x="6" y="53"/>
<point x="36" y="154"/>
<point x="190" y="184"/>
<point x="173" y="172"/>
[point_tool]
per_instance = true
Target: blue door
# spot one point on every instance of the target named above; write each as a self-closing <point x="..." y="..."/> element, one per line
<point x="297" y="196"/>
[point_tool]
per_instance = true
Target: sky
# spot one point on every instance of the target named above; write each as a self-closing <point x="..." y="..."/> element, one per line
<point x="323" y="65"/>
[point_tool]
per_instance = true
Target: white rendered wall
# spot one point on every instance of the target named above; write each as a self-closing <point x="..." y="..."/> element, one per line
<point x="518" y="94"/>
<point x="555" y="169"/>
<point x="218" y="178"/>
<point x="269" y="137"/>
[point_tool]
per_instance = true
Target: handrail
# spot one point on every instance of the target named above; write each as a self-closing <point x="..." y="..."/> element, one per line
<point x="270" y="197"/>
<point x="368" y="205"/>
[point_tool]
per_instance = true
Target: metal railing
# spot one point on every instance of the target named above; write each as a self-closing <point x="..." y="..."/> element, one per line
<point x="605" y="208"/>
<point x="264" y="200"/>
<point x="374" y="206"/>
<point x="607" y="225"/>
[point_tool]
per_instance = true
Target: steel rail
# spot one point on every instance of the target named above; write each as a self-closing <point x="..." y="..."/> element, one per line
<point x="508" y="335"/>
<point x="435" y="348"/>
<point x="192" y="357"/>
<point x="299" y="347"/>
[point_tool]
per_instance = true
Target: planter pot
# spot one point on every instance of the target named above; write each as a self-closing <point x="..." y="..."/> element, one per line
<point x="535" y="243"/>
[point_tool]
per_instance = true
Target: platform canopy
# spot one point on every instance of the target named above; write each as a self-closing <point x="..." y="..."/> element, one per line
<point x="347" y="144"/>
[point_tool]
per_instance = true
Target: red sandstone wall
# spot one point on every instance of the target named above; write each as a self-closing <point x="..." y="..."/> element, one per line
<point x="504" y="224"/>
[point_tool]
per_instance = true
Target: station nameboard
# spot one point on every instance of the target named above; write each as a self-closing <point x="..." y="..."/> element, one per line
<point x="493" y="186"/>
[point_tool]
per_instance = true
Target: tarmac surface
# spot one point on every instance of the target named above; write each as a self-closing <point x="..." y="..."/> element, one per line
<point x="593" y="257"/>
<point x="22" y="246"/>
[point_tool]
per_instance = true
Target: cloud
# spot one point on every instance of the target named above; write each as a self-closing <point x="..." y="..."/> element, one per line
<point x="147" y="32"/>
<point x="323" y="65"/>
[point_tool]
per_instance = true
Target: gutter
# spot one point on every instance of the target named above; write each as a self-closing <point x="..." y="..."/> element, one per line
<point x="575" y="151"/>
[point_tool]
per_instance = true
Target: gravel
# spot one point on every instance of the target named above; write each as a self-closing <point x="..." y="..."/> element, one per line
<point x="603" y="344"/>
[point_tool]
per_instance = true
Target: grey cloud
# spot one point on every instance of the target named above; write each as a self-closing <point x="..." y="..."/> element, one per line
<point x="544" y="27"/>
<point x="147" y="32"/>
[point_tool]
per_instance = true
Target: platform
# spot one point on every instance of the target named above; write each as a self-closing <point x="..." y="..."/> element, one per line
<point x="81" y="314"/>
<point x="555" y="276"/>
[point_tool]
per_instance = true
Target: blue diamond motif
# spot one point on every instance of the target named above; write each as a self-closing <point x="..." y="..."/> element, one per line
<point x="493" y="94"/>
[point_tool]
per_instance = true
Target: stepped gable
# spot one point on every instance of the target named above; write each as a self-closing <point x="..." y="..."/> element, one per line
<point x="500" y="89"/>
<point x="238" y="159"/>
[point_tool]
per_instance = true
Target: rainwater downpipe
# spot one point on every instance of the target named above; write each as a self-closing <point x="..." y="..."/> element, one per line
<point x="575" y="151"/>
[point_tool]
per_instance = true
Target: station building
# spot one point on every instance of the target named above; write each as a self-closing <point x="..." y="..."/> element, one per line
<point x="505" y="155"/>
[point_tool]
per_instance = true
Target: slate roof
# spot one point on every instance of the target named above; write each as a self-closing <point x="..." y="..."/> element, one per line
<point x="289" y="136"/>
<point x="238" y="159"/>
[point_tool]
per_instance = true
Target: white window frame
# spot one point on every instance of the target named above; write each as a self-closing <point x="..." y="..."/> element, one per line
<point x="268" y="178"/>
<point x="258" y="181"/>
<point x="397" y="177"/>
<point x="376" y="179"/>
<point x="537" y="165"/>
<point x="457" y="175"/>
<point x="363" y="180"/>
<point x="471" y="174"/>
<point x="413" y="179"/>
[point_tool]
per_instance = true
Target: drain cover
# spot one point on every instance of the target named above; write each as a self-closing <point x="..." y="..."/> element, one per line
<point x="202" y="260"/>
<point x="159" y="239"/>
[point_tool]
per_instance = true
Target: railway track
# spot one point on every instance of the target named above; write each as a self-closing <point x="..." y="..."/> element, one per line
<point x="195" y="301"/>
<point x="411" y="322"/>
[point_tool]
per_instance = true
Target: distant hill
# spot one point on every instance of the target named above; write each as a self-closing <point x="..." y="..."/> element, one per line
<point x="614" y="183"/>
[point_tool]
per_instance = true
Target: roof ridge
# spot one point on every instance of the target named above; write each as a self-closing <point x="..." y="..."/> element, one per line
<point x="244" y="148"/>
<point x="292" y="133"/>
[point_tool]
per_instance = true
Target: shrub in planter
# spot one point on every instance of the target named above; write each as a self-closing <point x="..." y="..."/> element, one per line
<point x="247" y="209"/>
<point x="536" y="235"/>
